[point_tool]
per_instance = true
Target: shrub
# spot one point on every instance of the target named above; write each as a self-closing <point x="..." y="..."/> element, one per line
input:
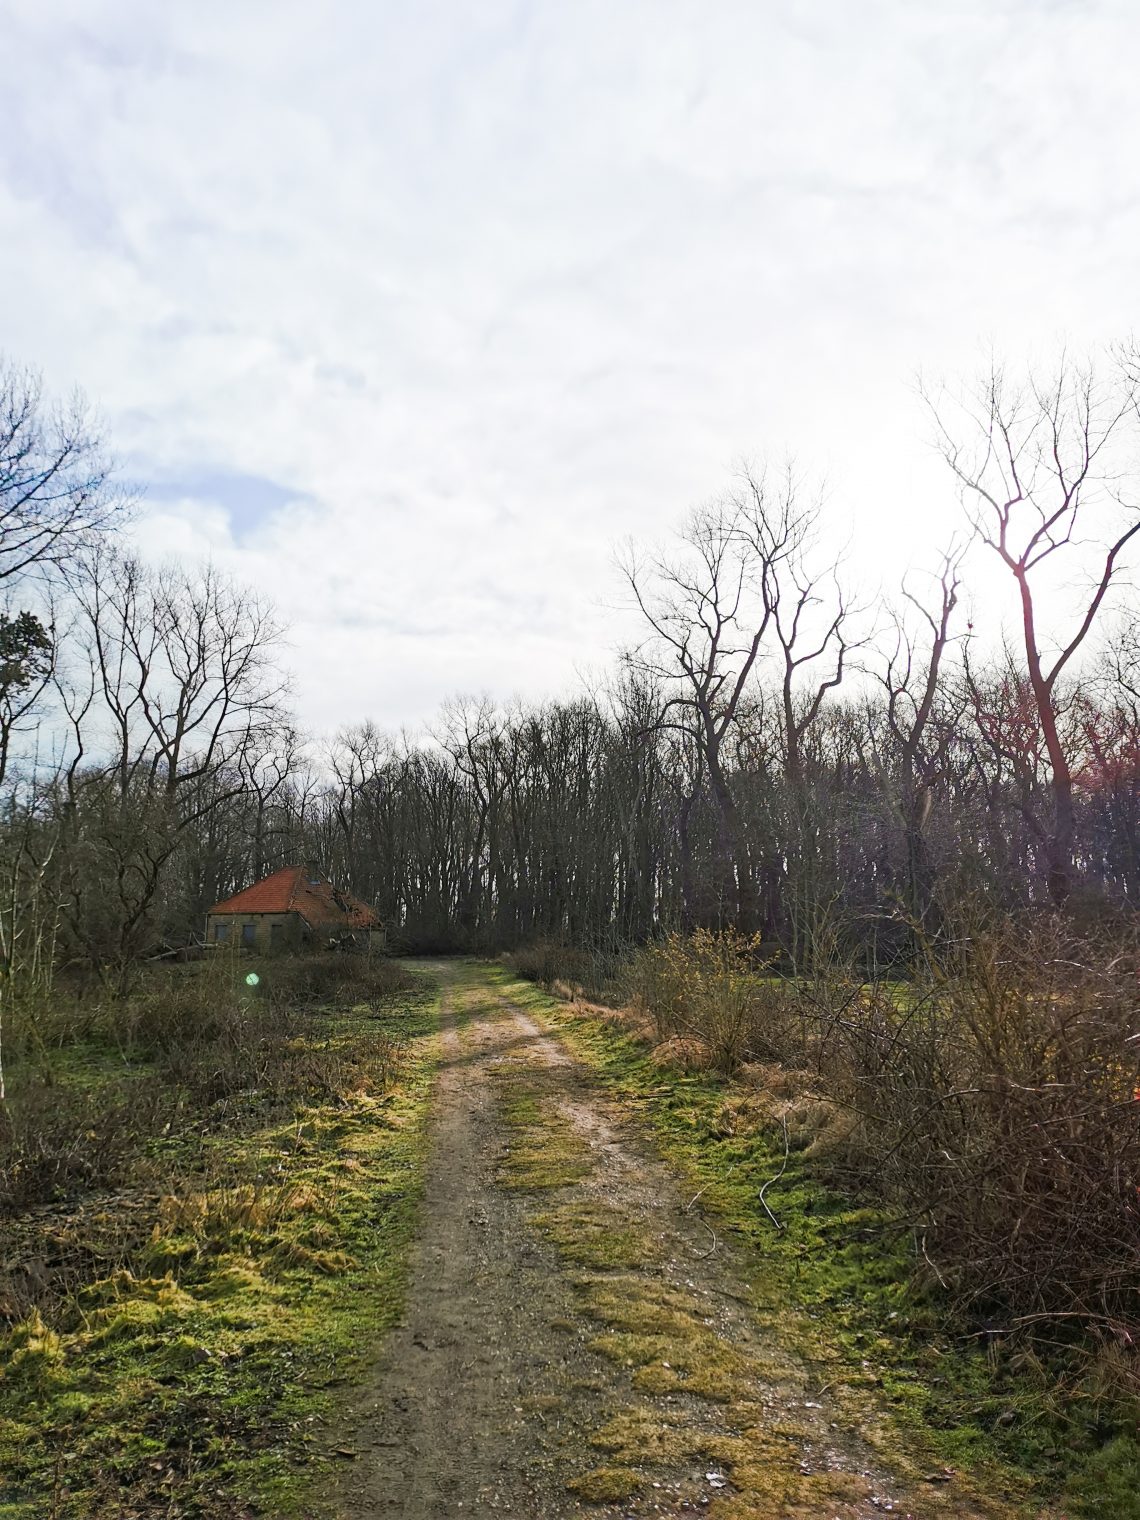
<point x="307" y="980"/>
<point x="992" y="1101"/>
<point x="997" y="1106"/>
<point x="590" y="973"/>
<point x="711" y="987"/>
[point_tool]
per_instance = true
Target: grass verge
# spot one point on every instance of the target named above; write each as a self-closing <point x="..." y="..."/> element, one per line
<point x="838" y="1288"/>
<point x="196" y="1380"/>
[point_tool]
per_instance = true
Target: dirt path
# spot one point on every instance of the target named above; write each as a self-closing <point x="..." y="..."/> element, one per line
<point x="576" y="1340"/>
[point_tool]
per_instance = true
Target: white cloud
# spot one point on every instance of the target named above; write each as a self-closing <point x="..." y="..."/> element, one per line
<point x="482" y="289"/>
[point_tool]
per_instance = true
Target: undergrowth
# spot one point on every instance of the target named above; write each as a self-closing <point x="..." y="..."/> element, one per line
<point x="177" y="1323"/>
<point x="984" y="1099"/>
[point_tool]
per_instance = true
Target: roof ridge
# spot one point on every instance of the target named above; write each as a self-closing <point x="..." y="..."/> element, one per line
<point x="297" y="873"/>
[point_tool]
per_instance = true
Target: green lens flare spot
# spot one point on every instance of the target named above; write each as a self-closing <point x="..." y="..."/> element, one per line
<point x="252" y="979"/>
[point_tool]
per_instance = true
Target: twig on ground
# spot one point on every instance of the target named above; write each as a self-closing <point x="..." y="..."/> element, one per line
<point x="703" y="1255"/>
<point x="776" y="1178"/>
<point x="931" y="1264"/>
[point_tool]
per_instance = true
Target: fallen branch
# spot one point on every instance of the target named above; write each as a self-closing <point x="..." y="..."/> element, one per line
<point x="703" y="1255"/>
<point x="776" y="1178"/>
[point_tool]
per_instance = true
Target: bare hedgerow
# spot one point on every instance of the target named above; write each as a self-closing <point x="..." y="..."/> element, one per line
<point x="997" y="1105"/>
<point x="590" y="972"/>
<point x="991" y="1100"/>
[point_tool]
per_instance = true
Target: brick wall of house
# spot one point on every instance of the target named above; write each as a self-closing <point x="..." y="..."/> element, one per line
<point x="266" y="933"/>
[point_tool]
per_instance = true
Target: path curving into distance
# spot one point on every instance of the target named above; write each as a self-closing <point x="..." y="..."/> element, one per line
<point x="576" y="1339"/>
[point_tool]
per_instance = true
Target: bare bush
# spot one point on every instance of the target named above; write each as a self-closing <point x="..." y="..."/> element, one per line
<point x="998" y="1107"/>
<point x="993" y="1103"/>
<point x="712" y="987"/>
<point x="56" y="1141"/>
<point x="581" y="971"/>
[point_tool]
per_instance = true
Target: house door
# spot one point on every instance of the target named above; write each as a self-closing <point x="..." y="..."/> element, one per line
<point x="277" y="936"/>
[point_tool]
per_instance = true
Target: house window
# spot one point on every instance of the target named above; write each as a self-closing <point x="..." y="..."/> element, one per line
<point x="221" y="932"/>
<point x="249" y="934"/>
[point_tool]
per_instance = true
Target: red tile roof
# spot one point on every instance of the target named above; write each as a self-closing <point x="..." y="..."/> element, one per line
<point x="294" y="890"/>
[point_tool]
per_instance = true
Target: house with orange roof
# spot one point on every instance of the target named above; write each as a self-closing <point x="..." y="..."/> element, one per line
<point x="293" y="909"/>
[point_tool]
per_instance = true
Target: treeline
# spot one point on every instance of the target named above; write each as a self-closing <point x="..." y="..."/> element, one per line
<point x="775" y="757"/>
<point x="774" y="753"/>
<point x="581" y="822"/>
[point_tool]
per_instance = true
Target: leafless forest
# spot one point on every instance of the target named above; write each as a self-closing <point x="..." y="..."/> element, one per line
<point x="833" y="768"/>
<point x="804" y="823"/>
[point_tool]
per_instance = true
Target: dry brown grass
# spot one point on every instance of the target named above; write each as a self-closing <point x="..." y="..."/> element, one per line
<point x="684" y="1053"/>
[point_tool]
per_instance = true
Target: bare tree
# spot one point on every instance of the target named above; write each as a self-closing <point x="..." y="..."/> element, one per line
<point x="812" y="629"/>
<point x="265" y="770"/>
<point x="57" y="494"/>
<point x="709" y="608"/>
<point x="1036" y="461"/>
<point x="176" y="695"/>
<point x="471" y="734"/>
<point x="911" y="677"/>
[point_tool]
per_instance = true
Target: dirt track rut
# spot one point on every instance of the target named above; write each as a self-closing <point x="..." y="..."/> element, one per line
<point x="557" y="1265"/>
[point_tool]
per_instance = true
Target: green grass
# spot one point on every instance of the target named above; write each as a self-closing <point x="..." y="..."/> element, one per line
<point x="547" y="1153"/>
<point x="208" y="1369"/>
<point x="840" y="1291"/>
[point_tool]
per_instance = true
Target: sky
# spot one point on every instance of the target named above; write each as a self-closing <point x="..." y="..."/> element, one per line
<point x="409" y="314"/>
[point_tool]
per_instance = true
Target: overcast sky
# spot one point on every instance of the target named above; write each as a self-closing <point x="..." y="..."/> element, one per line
<point x="409" y="312"/>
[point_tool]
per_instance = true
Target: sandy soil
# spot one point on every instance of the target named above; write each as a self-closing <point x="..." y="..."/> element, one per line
<point x="488" y="1397"/>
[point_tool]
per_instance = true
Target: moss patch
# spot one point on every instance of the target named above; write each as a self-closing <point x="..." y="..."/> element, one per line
<point x="199" y="1379"/>
<point x="643" y="1435"/>
<point x="592" y="1234"/>
<point x="545" y="1152"/>
<point x="606" y="1485"/>
<point x="664" y="1333"/>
